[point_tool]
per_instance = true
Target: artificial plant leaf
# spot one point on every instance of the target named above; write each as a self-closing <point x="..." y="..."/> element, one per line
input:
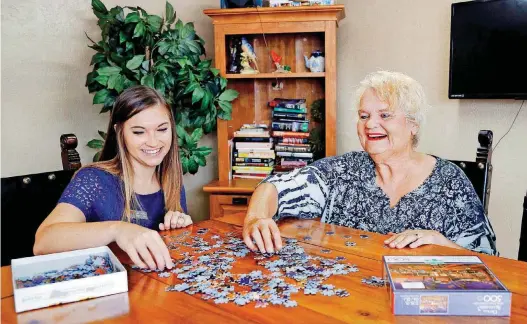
<point x="225" y="106"/>
<point x="139" y="30"/>
<point x="229" y="95"/>
<point x="184" y="164"/>
<point x="98" y="6"/>
<point x="129" y="46"/>
<point x="97" y="58"/>
<point x="97" y="156"/>
<point x="100" y="96"/>
<point x="148" y="80"/>
<point x="191" y="87"/>
<point x="112" y="80"/>
<point x="192" y="166"/>
<point x="170" y="15"/>
<point x="132" y="18"/>
<point x="154" y="23"/>
<point x="203" y="150"/>
<point x="109" y="70"/>
<point x="197" y="94"/>
<point x="196" y="135"/>
<point x="95" y="144"/>
<point x="205" y="102"/>
<point x="102" y="134"/>
<point x="146" y="66"/>
<point x="135" y="62"/>
<point x="199" y="159"/>
<point x="102" y="79"/>
<point x="119" y="83"/>
<point x="122" y="37"/>
<point x="181" y="132"/>
<point x="163" y="47"/>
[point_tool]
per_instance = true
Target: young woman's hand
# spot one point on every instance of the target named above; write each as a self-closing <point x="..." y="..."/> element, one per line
<point x="175" y="220"/>
<point x="144" y="246"/>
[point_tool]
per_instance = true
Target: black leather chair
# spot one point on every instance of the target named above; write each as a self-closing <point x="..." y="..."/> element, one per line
<point x="480" y="171"/>
<point x="28" y="199"/>
<point x="522" y="253"/>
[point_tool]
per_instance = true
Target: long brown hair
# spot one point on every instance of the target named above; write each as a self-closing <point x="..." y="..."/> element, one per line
<point x="115" y="157"/>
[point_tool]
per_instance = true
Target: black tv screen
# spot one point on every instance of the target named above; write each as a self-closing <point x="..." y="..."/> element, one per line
<point x="488" y="50"/>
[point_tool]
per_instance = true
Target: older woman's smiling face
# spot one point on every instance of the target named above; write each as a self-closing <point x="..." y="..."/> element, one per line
<point x="383" y="130"/>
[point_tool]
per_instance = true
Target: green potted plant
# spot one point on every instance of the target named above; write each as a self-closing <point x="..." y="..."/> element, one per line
<point x="165" y="54"/>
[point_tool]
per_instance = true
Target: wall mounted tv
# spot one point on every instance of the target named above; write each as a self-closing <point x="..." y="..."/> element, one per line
<point x="488" y="50"/>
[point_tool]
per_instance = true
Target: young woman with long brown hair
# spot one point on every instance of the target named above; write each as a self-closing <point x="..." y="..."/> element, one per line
<point x="134" y="189"/>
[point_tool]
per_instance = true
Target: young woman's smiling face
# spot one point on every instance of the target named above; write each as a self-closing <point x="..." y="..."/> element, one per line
<point x="148" y="136"/>
<point x="383" y="130"/>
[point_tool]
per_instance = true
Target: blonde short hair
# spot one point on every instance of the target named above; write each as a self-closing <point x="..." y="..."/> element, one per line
<point x="399" y="91"/>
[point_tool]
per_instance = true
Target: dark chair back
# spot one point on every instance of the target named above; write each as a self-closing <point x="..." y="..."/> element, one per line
<point x="522" y="253"/>
<point x="480" y="171"/>
<point x="26" y="201"/>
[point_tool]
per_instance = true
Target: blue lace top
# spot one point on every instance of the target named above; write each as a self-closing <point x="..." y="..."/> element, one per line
<point x="99" y="196"/>
<point x="343" y="191"/>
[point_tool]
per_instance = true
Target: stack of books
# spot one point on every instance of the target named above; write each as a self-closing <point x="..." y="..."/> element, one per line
<point x="253" y="154"/>
<point x="290" y="127"/>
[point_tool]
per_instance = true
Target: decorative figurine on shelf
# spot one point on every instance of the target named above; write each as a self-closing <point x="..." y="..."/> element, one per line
<point x="246" y="66"/>
<point x="240" y="3"/>
<point x="250" y="56"/>
<point x="235" y="48"/>
<point x="316" y="62"/>
<point x="276" y="60"/>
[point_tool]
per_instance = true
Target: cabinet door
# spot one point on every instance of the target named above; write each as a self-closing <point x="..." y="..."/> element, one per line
<point x="229" y="208"/>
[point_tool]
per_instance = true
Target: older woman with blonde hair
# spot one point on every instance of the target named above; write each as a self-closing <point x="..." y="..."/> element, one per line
<point x="389" y="188"/>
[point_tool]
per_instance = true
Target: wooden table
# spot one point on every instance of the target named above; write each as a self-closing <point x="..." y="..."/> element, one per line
<point x="147" y="301"/>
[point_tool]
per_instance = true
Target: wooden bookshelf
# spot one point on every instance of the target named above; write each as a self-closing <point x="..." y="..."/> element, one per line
<point x="277" y="75"/>
<point x="292" y="32"/>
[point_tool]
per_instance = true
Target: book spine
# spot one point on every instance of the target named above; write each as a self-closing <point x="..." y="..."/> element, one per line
<point x="296" y="149"/>
<point x="253" y="160"/>
<point x="291" y="126"/>
<point x="253" y="145"/>
<point x="256" y="169"/>
<point x="291" y="140"/>
<point x="291" y="154"/>
<point x="254" y="164"/>
<point x="290" y="134"/>
<point x="291" y="111"/>
<point x="258" y="155"/>
<point x="257" y="139"/>
<point x="277" y="116"/>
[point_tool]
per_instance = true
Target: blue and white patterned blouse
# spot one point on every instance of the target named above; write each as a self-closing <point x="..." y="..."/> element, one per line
<point x="343" y="191"/>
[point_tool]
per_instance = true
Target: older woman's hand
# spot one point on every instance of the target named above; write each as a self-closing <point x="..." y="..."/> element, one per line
<point x="416" y="238"/>
<point x="265" y="233"/>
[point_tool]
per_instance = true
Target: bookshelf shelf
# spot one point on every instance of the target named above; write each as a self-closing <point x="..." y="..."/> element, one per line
<point x="277" y="75"/>
<point x="293" y="34"/>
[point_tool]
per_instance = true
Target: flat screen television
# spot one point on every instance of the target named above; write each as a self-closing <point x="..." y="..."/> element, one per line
<point x="488" y="50"/>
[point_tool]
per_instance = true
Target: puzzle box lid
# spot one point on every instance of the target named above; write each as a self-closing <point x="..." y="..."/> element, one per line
<point x="440" y="273"/>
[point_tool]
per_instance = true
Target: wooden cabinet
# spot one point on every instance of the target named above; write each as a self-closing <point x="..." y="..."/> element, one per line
<point x="229" y="208"/>
<point x="292" y="32"/>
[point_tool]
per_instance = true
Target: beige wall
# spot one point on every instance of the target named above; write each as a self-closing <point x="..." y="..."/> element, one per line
<point x="45" y="61"/>
<point x="413" y="37"/>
